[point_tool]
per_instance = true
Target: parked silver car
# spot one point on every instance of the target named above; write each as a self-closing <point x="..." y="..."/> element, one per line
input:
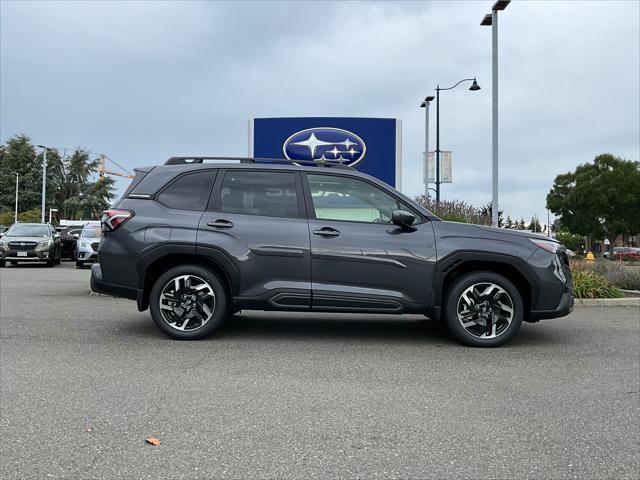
<point x="87" y="244"/>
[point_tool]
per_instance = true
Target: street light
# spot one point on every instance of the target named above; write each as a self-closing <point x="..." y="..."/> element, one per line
<point x="44" y="181"/>
<point x="16" y="213"/>
<point x="51" y="210"/>
<point x="474" y="87"/>
<point x="492" y="20"/>
<point x="425" y="105"/>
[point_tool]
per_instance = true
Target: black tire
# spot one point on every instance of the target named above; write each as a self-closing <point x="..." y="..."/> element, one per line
<point x="51" y="263"/>
<point x="58" y="260"/>
<point x="220" y="307"/>
<point x="79" y="264"/>
<point x="3" y="263"/>
<point x="465" y="336"/>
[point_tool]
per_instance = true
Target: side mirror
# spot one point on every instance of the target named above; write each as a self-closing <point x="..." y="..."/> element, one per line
<point x="76" y="235"/>
<point x="403" y="219"/>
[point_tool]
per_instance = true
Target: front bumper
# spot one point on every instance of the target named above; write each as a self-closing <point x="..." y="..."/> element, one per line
<point x="565" y="307"/>
<point x="86" y="254"/>
<point x="24" y="255"/>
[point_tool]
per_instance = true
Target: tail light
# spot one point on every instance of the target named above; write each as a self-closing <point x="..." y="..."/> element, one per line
<point x="113" y="219"/>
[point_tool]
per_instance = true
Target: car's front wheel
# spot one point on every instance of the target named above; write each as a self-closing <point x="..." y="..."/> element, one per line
<point x="483" y="309"/>
<point x="188" y="302"/>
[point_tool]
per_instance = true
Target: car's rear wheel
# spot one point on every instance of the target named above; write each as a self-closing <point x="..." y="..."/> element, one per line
<point x="188" y="302"/>
<point x="483" y="309"/>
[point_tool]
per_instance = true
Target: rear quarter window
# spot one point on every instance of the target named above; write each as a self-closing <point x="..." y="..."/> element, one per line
<point x="188" y="192"/>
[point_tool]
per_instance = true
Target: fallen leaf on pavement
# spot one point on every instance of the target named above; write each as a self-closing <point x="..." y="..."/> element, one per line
<point x="88" y="428"/>
<point x="153" y="440"/>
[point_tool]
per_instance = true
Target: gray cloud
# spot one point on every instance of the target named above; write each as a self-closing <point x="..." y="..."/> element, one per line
<point x="141" y="81"/>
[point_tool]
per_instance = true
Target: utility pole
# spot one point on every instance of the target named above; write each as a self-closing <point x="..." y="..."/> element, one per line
<point x="492" y="20"/>
<point x="425" y="105"/>
<point x="15" y="219"/>
<point x="44" y="182"/>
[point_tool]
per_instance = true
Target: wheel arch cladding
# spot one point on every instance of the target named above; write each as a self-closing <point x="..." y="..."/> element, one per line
<point x="509" y="267"/>
<point x="164" y="263"/>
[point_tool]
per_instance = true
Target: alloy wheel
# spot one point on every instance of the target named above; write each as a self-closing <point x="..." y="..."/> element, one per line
<point x="187" y="302"/>
<point x="485" y="310"/>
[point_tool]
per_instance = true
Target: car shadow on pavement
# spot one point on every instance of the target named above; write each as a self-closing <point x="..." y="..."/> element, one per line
<point x="407" y="329"/>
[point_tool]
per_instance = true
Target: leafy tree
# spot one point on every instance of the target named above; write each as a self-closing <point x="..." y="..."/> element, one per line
<point x="570" y="240"/>
<point x="600" y="198"/>
<point x="69" y="185"/>
<point x="521" y="225"/>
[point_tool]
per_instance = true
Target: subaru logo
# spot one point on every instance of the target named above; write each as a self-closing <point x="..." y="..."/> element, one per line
<point x="322" y="144"/>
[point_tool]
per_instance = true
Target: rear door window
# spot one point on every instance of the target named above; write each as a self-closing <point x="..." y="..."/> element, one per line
<point x="271" y="194"/>
<point x="189" y="192"/>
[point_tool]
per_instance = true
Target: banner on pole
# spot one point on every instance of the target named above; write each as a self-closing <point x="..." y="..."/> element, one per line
<point x="429" y="169"/>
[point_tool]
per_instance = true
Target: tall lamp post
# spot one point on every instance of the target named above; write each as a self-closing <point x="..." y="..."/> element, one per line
<point x="491" y="19"/>
<point x="425" y="105"/>
<point x="15" y="218"/>
<point x="44" y="182"/>
<point x="474" y="87"/>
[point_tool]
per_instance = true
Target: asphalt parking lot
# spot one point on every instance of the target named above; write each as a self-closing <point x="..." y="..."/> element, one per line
<point x="85" y="378"/>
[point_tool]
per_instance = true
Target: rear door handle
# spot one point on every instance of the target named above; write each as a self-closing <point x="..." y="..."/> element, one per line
<point x="327" y="232"/>
<point x="220" y="223"/>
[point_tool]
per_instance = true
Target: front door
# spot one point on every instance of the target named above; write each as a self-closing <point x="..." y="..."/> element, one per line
<point x="257" y="220"/>
<point x="360" y="260"/>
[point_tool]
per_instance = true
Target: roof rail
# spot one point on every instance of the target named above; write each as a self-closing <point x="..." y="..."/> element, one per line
<point x="191" y="160"/>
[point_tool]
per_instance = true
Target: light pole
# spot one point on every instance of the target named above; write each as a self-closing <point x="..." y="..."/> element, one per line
<point x="44" y="182"/>
<point x="51" y="210"/>
<point x="425" y="105"/>
<point x="492" y="19"/>
<point x="15" y="219"/>
<point x="474" y="87"/>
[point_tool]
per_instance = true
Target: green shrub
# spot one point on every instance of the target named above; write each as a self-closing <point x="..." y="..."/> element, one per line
<point x="589" y="284"/>
<point x="570" y="240"/>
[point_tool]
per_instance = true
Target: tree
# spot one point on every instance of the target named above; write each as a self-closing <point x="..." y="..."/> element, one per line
<point x="487" y="211"/>
<point x="69" y="185"/>
<point x="534" y="225"/>
<point x="520" y="225"/>
<point x="599" y="199"/>
<point x="509" y="223"/>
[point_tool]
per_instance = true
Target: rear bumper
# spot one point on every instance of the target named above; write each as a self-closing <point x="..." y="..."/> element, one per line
<point x="100" y="286"/>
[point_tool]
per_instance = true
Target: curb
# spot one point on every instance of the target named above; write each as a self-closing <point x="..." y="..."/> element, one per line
<point x="608" y="302"/>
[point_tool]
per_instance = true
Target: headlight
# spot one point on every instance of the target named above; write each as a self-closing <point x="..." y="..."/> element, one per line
<point x="547" y="245"/>
<point x="85" y="244"/>
<point x="44" y="243"/>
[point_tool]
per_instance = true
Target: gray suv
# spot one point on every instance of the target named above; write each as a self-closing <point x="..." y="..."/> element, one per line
<point x="199" y="238"/>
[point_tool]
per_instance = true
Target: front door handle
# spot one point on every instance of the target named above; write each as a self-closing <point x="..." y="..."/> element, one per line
<point x="327" y="232"/>
<point x="220" y="223"/>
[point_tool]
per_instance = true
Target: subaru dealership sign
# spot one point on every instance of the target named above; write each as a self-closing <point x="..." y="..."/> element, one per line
<point x="371" y="145"/>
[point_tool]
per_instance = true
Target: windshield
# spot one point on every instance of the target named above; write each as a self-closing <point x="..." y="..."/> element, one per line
<point x="92" y="231"/>
<point x="29" y="231"/>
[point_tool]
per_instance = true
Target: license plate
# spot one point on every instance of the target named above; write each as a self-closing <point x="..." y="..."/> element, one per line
<point x="22" y="254"/>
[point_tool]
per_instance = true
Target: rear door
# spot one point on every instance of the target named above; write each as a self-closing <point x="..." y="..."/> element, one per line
<point x="360" y="260"/>
<point x="257" y="219"/>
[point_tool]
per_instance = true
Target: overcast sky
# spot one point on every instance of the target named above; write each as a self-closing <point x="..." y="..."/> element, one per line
<point x="143" y="81"/>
